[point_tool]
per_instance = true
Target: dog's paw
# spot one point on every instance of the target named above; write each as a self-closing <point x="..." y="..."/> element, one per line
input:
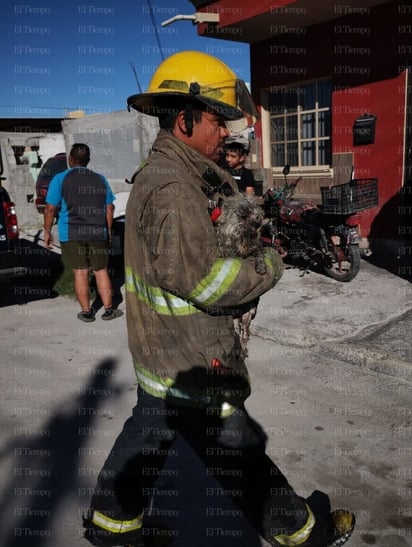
<point x="260" y="266"/>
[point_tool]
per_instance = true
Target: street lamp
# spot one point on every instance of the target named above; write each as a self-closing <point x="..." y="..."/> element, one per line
<point x="198" y="17"/>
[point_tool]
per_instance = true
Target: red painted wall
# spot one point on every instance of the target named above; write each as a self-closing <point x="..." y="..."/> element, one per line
<point x="383" y="159"/>
<point x="365" y="57"/>
<point x="233" y="12"/>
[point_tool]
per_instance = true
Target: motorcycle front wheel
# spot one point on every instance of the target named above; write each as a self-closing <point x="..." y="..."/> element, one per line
<point x="341" y="262"/>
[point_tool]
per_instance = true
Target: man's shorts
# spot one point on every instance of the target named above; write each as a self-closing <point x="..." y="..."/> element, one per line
<point x="79" y="255"/>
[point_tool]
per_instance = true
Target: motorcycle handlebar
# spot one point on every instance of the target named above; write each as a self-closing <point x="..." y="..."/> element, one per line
<point x="282" y="192"/>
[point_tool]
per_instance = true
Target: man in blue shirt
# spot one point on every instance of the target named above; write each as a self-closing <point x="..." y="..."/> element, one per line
<point x="85" y="204"/>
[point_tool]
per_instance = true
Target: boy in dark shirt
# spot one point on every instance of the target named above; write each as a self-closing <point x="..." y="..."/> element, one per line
<point x="235" y="157"/>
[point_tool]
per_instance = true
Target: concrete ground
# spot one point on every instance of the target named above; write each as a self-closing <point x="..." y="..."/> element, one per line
<point x="330" y="365"/>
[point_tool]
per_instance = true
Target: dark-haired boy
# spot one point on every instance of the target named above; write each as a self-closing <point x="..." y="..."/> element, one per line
<point x="235" y="157"/>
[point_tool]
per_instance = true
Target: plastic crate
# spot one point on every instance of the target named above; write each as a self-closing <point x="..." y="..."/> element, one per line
<point x="354" y="196"/>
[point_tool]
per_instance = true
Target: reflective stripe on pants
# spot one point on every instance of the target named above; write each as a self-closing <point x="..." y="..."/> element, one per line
<point x="116" y="526"/>
<point x="301" y="535"/>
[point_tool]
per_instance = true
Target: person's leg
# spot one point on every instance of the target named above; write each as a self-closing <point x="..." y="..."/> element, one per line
<point x="104" y="286"/>
<point x="74" y="255"/>
<point x="125" y="483"/>
<point x="81" y="287"/>
<point x="99" y="257"/>
<point x="235" y="455"/>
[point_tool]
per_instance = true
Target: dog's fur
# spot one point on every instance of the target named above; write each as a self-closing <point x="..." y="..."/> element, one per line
<point x="238" y="230"/>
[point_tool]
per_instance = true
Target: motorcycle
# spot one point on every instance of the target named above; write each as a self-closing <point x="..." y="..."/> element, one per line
<point x="306" y="233"/>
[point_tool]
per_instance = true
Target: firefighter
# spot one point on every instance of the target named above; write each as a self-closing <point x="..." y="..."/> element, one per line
<point x="180" y="300"/>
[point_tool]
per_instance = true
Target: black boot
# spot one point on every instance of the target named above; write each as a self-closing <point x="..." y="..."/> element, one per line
<point x="331" y="530"/>
<point x="343" y="526"/>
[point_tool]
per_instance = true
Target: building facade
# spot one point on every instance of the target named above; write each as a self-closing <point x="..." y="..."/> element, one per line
<point x="332" y="84"/>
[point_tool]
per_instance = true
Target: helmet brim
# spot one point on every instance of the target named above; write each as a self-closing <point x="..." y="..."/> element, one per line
<point x="163" y="104"/>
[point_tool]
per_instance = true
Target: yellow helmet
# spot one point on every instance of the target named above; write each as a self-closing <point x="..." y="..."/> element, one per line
<point x="196" y="77"/>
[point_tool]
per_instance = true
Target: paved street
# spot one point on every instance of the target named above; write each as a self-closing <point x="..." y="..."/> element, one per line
<point x="330" y="366"/>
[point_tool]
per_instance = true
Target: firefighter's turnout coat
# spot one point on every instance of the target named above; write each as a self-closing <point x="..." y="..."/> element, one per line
<point x="180" y="294"/>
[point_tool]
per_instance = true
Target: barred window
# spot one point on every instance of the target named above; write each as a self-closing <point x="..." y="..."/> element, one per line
<point x="300" y="124"/>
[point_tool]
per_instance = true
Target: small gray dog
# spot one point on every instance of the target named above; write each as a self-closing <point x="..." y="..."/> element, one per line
<point x="238" y="228"/>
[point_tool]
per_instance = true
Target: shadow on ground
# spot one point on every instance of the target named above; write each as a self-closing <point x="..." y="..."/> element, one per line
<point x="396" y="258"/>
<point x="46" y="464"/>
<point x="43" y="269"/>
<point x="391" y="234"/>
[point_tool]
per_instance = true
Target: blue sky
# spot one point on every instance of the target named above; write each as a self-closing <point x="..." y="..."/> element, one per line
<point x="61" y="55"/>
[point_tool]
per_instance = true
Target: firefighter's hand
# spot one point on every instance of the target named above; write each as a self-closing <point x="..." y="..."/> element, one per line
<point x="228" y="386"/>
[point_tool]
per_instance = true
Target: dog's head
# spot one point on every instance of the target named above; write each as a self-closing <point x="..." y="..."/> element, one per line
<point x="239" y="224"/>
<point x="241" y="211"/>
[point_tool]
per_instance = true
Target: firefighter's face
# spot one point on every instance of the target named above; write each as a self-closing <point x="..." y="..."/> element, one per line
<point x="209" y="135"/>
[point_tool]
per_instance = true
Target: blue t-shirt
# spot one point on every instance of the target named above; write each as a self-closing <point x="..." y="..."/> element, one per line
<point x="82" y="196"/>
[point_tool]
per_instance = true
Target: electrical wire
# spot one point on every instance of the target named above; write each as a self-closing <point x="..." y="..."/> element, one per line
<point x="149" y="5"/>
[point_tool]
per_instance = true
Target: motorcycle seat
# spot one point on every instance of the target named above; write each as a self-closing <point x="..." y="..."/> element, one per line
<point x="311" y="216"/>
